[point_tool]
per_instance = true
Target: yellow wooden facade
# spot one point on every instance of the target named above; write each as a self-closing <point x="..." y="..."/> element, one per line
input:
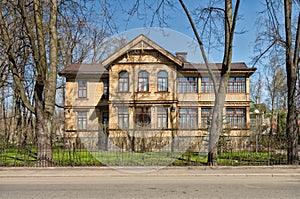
<point x="96" y="116"/>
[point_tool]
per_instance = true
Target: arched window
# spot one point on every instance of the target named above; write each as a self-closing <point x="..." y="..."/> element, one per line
<point x="162" y="81"/>
<point x="123" y="81"/>
<point x="143" y="81"/>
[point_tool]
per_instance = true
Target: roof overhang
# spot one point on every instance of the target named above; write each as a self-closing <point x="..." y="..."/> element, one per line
<point x="83" y="70"/>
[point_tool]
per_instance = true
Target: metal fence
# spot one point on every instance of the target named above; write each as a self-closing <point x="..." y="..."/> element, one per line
<point x="263" y="150"/>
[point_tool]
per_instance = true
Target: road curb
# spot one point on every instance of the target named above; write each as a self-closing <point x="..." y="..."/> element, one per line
<point x="272" y="171"/>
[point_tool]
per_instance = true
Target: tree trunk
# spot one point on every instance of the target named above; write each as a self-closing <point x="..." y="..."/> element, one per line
<point x="44" y="156"/>
<point x="220" y="93"/>
<point x="220" y="96"/>
<point x="292" y="129"/>
<point x="3" y="115"/>
<point x="217" y="121"/>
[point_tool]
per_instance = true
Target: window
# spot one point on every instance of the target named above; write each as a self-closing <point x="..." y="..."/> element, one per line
<point x="105" y="118"/>
<point x="143" y="81"/>
<point x="143" y="116"/>
<point x="123" y="81"/>
<point x="188" y="118"/>
<point x="162" y="117"/>
<point x="207" y="85"/>
<point x="188" y="85"/>
<point x="82" y="120"/>
<point x="123" y="117"/>
<point x="206" y="116"/>
<point x="162" y="81"/>
<point x="82" y="89"/>
<point x="236" y="85"/>
<point x="236" y="117"/>
<point x="105" y="90"/>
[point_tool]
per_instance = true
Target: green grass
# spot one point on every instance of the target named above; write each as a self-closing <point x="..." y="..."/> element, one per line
<point x="64" y="157"/>
<point x="13" y="156"/>
<point x="233" y="158"/>
<point x="251" y="158"/>
<point x="135" y="158"/>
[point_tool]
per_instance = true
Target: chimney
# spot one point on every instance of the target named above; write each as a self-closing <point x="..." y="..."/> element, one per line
<point x="181" y="55"/>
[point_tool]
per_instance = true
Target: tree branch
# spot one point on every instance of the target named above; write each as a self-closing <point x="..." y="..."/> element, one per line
<point x="262" y="54"/>
<point x="13" y="63"/>
<point x="200" y="45"/>
<point x="297" y="44"/>
<point x="59" y="106"/>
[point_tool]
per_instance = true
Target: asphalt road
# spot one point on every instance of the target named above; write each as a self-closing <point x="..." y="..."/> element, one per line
<point x="156" y="185"/>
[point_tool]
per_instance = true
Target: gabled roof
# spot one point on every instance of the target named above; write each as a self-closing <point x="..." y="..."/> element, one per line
<point x="141" y="42"/>
<point x="83" y="69"/>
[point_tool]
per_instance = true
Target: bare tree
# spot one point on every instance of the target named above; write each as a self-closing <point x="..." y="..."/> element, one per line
<point x="292" y="62"/>
<point x="10" y="24"/>
<point x="280" y="37"/>
<point x="256" y="88"/>
<point x="230" y="19"/>
<point x="37" y="38"/>
<point x="275" y="85"/>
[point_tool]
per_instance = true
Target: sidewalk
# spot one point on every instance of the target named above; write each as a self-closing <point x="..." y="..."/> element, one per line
<point x="273" y="171"/>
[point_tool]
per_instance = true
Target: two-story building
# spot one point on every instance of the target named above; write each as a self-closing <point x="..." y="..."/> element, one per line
<point x="143" y="98"/>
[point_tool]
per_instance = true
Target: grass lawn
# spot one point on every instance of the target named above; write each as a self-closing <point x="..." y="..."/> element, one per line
<point x="13" y="156"/>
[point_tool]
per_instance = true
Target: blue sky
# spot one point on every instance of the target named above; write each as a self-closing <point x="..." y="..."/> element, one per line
<point x="243" y="43"/>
